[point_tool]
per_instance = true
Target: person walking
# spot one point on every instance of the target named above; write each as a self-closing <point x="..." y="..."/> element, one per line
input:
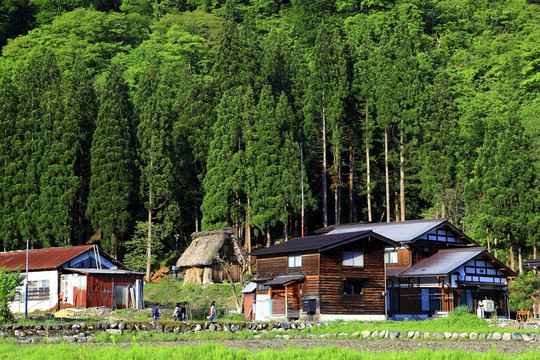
<point x="176" y="312"/>
<point x="183" y="316"/>
<point x="156" y="313"/>
<point x="212" y="312"/>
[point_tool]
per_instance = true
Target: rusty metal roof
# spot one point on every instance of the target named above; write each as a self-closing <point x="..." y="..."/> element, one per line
<point x="94" y="271"/>
<point x="443" y="262"/>
<point x="320" y="243"/>
<point x="41" y="259"/>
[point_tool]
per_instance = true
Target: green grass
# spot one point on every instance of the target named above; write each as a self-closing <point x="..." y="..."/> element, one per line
<point x="218" y="352"/>
<point x="169" y="292"/>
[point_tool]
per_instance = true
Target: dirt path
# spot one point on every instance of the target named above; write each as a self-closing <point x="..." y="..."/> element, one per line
<point x="506" y="347"/>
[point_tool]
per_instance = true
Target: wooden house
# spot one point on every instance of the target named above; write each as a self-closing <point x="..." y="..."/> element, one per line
<point x="73" y="277"/>
<point x="199" y="259"/>
<point x="436" y="268"/>
<point x="323" y="277"/>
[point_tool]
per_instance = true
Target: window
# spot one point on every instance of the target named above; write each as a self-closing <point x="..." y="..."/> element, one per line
<point x="263" y="287"/>
<point x="353" y="287"/>
<point x="37" y="290"/>
<point x="353" y="258"/>
<point x="390" y="257"/>
<point x="430" y="299"/>
<point x="295" y="260"/>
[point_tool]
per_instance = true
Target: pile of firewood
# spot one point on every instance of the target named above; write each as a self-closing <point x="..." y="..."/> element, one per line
<point x="159" y="274"/>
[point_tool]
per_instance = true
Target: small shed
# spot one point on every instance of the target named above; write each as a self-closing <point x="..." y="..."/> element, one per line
<point x="249" y="300"/>
<point x="199" y="259"/>
<point x="73" y="276"/>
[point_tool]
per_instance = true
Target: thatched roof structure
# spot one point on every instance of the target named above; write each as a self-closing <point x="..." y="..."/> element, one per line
<point x="204" y="246"/>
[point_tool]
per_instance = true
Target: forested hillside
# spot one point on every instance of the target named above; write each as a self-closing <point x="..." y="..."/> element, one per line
<point x="136" y="119"/>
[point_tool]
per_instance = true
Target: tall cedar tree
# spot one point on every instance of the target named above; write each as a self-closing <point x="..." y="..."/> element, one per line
<point x="39" y="82"/>
<point x="8" y="145"/>
<point x="263" y="158"/>
<point x="60" y="182"/>
<point x="324" y="102"/>
<point x="154" y="140"/>
<point x="225" y="180"/>
<point x="81" y="105"/>
<point x="111" y="184"/>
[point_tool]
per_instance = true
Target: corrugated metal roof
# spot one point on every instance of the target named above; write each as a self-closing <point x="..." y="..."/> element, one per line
<point x="286" y="279"/>
<point x="319" y="243"/>
<point x="442" y="262"/>
<point x="249" y="288"/>
<point x="41" y="259"/>
<point x="398" y="231"/>
<point x="104" y="271"/>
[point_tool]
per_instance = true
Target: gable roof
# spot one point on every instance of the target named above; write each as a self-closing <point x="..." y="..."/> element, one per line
<point x="535" y="262"/>
<point x="403" y="231"/>
<point x="446" y="261"/>
<point x="203" y="248"/>
<point x="46" y="259"/>
<point x="320" y="243"/>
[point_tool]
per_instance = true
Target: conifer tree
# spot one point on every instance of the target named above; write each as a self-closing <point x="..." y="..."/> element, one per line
<point x="156" y="168"/>
<point x="8" y="145"/>
<point x="59" y="180"/>
<point x="111" y="184"/>
<point x="225" y="179"/>
<point x="324" y="102"/>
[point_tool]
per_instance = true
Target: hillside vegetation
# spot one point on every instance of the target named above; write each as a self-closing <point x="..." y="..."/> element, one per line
<point x="127" y="122"/>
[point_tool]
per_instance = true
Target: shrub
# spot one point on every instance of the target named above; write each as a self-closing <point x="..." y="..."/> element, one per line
<point x="9" y="281"/>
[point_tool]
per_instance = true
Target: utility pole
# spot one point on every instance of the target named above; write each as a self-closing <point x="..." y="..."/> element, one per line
<point x="302" y="171"/>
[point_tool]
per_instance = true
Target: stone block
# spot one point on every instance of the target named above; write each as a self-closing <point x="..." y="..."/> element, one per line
<point x="473" y="336"/>
<point x="447" y="335"/>
<point x="507" y="336"/>
<point x="463" y="336"/>
<point x="375" y="333"/>
<point x="394" y="334"/>
<point x="481" y="336"/>
<point x="527" y="337"/>
<point x="517" y="336"/>
<point x="365" y="333"/>
<point x="496" y="336"/>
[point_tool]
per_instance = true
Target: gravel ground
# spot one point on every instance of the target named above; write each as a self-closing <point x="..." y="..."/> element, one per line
<point x="506" y="347"/>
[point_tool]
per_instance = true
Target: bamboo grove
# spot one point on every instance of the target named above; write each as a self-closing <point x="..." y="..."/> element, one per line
<point x="133" y="123"/>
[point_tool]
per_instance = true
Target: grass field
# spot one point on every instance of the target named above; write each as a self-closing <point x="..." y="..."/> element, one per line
<point x="218" y="352"/>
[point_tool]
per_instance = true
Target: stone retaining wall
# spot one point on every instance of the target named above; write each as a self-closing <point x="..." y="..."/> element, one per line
<point x="283" y="330"/>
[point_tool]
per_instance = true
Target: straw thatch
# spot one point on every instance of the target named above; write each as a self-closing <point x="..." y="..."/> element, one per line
<point x="204" y="247"/>
<point x="200" y="256"/>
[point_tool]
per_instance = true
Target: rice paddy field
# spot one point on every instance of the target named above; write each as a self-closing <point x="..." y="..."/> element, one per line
<point x="66" y="351"/>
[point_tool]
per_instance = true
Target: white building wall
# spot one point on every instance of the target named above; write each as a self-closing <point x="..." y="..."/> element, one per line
<point x="38" y="305"/>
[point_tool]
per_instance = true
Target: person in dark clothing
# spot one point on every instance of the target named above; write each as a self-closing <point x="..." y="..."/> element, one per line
<point x="183" y="316"/>
<point x="156" y="313"/>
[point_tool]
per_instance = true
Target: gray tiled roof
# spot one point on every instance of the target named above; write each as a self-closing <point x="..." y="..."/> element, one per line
<point x="319" y="243"/>
<point x="443" y="262"/>
<point x="402" y="231"/>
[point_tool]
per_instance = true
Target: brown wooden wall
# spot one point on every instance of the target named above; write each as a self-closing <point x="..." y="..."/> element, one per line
<point x="404" y="258"/>
<point x="333" y="273"/>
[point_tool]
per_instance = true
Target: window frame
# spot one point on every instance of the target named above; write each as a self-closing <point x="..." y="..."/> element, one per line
<point x="388" y="256"/>
<point x="354" y="285"/>
<point x="354" y="258"/>
<point x="296" y="261"/>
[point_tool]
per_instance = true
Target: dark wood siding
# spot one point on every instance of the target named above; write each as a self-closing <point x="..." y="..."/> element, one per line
<point x="404" y="258"/>
<point x="333" y="274"/>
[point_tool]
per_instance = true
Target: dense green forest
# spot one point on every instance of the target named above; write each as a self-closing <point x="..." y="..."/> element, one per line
<point x="127" y="120"/>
